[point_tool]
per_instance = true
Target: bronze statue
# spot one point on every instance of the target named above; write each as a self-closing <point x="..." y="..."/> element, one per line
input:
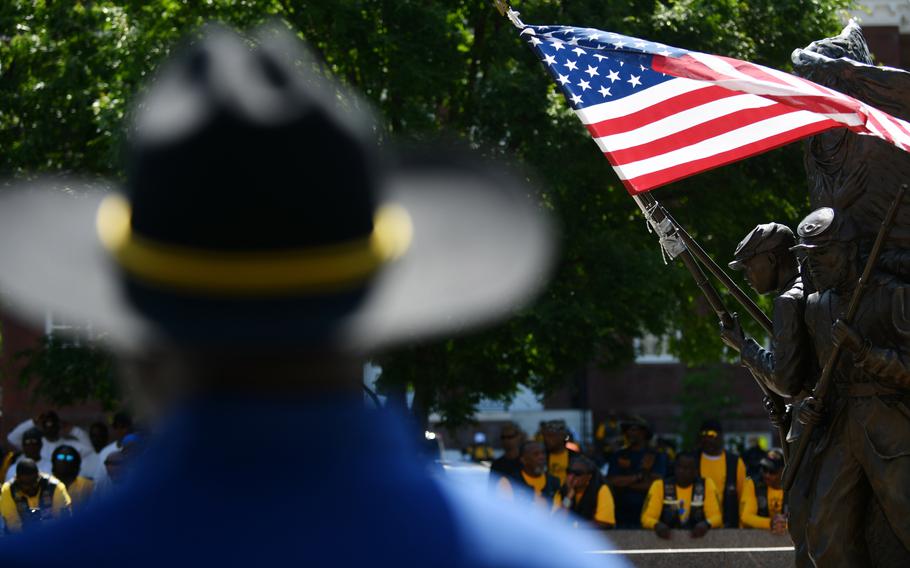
<point x="770" y="267"/>
<point x="852" y="173"/>
<point x="863" y="451"/>
<point x="856" y="175"/>
<point x="788" y="367"/>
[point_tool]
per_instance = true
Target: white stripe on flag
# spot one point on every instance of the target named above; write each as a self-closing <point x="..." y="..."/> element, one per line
<point x="889" y="123"/>
<point x="719" y="144"/>
<point x="639" y="101"/>
<point x="680" y="121"/>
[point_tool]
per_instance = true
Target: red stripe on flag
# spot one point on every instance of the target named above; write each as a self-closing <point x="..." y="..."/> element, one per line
<point x="699" y="133"/>
<point x="685" y="66"/>
<point x="752" y="70"/>
<point x="659" y="110"/>
<point x="824" y="103"/>
<point x="650" y="181"/>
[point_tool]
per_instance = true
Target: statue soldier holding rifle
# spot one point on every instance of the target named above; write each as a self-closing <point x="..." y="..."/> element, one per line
<point x="770" y="267"/>
<point x="788" y="367"/>
<point x="863" y="451"/>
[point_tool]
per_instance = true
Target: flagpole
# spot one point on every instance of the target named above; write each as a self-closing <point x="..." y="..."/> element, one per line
<point x="674" y="246"/>
<point x="703" y="257"/>
<point x="508" y="12"/>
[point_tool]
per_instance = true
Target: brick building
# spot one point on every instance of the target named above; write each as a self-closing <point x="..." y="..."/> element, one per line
<point x="886" y="26"/>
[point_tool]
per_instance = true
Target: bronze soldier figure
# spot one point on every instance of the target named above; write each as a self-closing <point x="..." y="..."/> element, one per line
<point x="788" y="367"/>
<point x="770" y="267"/>
<point x="863" y="452"/>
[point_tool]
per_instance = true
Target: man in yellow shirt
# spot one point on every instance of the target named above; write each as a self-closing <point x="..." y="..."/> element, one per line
<point x="32" y="498"/>
<point x="762" y="503"/>
<point x="726" y="469"/>
<point x="535" y="484"/>
<point x="66" y="463"/>
<point x="685" y="501"/>
<point x="586" y="495"/>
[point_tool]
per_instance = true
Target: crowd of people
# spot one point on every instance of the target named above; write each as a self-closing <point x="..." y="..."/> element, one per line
<point x="52" y="469"/>
<point x="641" y="484"/>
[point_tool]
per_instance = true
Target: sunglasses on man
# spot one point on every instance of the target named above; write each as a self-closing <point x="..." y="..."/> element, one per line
<point x="65" y="457"/>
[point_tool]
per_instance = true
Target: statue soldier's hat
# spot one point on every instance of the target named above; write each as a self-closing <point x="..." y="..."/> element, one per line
<point x="823" y="226"/>
<point x="257" y="209"/>
<point x="763" y="238"/>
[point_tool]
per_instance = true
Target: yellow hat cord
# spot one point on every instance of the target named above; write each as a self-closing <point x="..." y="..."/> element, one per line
<point x="315" y="269"/>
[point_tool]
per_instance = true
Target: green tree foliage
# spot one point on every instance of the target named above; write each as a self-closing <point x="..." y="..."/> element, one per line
<point x="63" y="373"/>
<point x="706" y="394"/>
<point x="452" y="69"/>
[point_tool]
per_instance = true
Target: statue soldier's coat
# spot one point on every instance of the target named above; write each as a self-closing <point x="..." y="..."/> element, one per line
<point x="863" y="453"/>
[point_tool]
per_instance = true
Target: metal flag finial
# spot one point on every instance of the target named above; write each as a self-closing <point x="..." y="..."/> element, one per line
<point x="507" y="11"/>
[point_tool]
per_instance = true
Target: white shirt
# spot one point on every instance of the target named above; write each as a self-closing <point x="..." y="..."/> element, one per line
<point x="75" y="436"/>
<point x="99" y="475"/>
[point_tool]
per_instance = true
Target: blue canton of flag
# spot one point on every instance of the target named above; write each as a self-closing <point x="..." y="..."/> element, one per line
<point x="591" y="66"/>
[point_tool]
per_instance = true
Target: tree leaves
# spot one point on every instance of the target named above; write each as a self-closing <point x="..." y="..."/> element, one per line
<point x="69" y="73"/>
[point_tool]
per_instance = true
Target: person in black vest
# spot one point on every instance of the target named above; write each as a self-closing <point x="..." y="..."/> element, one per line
<point x="556" y="442"/>
<point x="762" y="504"/>
<point x="508" y="464"/>
<point x="32" y="498"/>
<point x="682" y="501"/>
<point x="535" y="484"/>
<point x="726" y="469"/>
<point x="632" y="470"/>
<point x="586" y="495"/>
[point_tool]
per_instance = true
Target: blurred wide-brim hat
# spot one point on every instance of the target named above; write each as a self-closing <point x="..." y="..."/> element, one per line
<point x="258" y="209"/>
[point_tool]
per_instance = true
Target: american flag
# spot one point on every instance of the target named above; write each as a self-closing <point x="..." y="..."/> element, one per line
<point x="660" y="113"/>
